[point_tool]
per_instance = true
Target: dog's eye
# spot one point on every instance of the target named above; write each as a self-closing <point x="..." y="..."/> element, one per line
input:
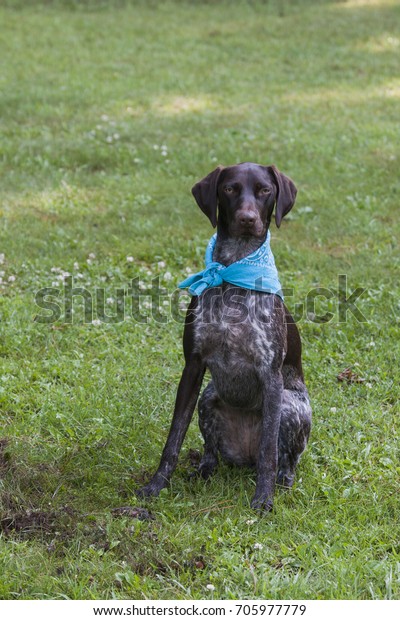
<point x="228" y="189"/>
<point x="264" y="191"/>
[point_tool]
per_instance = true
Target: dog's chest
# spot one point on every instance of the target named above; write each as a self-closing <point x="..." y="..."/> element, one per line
<point x="237" y="326"/>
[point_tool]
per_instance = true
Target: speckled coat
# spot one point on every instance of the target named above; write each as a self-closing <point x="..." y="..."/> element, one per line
<point x="255" y="410"/>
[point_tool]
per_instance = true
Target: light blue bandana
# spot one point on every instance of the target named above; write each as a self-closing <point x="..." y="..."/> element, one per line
<point x="256" y="272"/>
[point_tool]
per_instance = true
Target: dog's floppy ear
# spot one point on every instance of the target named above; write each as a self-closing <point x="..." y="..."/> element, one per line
<point x="205" y="193"/>
<point x="286" y="194"/>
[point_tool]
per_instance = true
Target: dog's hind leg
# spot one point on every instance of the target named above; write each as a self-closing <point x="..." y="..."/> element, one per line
<point x="295" y="423"/>
<point x="208" y="427"/>
<point x="294" y="431"/>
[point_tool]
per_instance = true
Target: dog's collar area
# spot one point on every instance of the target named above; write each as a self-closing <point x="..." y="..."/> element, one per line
<point x="256" y="272"/>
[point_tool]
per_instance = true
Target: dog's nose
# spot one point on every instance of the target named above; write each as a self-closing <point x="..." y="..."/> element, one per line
<point x="247" y="219"/>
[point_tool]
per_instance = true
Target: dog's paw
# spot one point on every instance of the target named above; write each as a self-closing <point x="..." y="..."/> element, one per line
<point x="262" y="503"/>
<point x="149" y="490"/>
<point x="206" y="470"/>
<point x="153" y="488"/>
<point x="207" y="466"/>
<point x="142" y="492"/>
<point x="285" y="479"/>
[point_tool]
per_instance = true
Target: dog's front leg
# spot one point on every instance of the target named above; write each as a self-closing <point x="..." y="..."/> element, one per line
<point x="186" y="398"/>
<point x="267" y="462"/>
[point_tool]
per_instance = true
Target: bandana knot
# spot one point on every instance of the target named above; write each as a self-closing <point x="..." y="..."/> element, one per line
<point x="256" y="272"/>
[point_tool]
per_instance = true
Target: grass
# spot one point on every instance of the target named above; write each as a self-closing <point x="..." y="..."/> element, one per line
<point x="91" y="92"/>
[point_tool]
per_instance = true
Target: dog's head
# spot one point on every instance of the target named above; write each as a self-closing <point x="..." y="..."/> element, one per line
<point x="242" y="198"/>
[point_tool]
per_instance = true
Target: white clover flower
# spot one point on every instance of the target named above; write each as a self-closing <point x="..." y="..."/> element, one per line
<point x="96" y="322"/>
<point x="89" y="261"/>
<point x="250" y="521"/>
<point x="2" y="274"/>
<point x="1" y="280"/>
<point x="257" y="546"/>
<point x="116" y="136"/>
<point x="92" y="255"/>
<point x="210" y="587"/>
<point x="76" y="265"/>
<point x="333" y="409"/>
<point x="2" y="258"/>
<point x="104" y="118"/>
<point x="110" y="300"/>
<point x="161" y="264"/>
<point x="155" y="147"/>
<point x="130" y="259"/>
<point x="55" y="269"/>
<point x="167" y="276"/>
<point x="109" y="139"/>
<point x="79" y="275"/>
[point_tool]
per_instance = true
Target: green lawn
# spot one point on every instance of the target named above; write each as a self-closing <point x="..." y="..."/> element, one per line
<point x="108" y="115"/>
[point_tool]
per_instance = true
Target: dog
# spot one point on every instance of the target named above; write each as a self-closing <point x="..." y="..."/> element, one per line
<point x="256" y="410"/>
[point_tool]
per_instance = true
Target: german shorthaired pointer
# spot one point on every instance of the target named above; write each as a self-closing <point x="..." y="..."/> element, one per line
<point x="255" y="411"/>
